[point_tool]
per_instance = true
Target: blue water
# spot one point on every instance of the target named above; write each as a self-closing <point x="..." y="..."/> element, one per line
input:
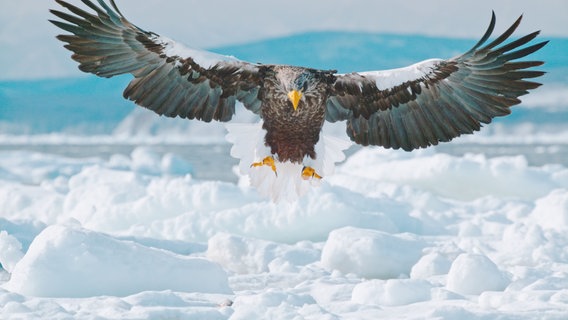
<point x="87" y="104"/>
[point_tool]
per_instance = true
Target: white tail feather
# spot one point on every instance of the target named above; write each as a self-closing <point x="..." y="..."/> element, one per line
<point x="287" y="183"/>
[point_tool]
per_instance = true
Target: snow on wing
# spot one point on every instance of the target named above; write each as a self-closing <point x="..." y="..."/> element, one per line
<point x="169" y="79"/>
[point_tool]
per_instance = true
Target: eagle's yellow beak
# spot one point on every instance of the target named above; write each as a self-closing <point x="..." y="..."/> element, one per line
<point x="295" y="97"/>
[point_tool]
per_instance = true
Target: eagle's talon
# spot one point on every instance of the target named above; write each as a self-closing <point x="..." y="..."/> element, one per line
<point x="310" y="173"/>
<point x="268" y="161"/>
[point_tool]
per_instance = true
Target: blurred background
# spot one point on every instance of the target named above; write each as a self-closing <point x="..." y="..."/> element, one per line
<point x="48" y="105"/>
<point x="29" y="50"/>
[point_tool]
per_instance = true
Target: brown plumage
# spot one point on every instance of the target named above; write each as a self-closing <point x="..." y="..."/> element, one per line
<point x="292" y="134"/>
<point x="413" y="107"/>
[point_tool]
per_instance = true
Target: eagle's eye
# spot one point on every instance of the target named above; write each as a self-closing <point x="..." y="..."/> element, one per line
<point x="305" y="86"/>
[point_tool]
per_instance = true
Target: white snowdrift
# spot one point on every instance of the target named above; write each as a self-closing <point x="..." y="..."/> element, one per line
<point x="392" y="292"/>
<point x="474" y="274"/>
<point x="429" y="265"/>
<point x="249" y="256"/>
<point x="370" y="253"/>
<point x="466" y="178"/>
<point x="551" y="211"/>
<point x="73" y="262"/>
<point x="390" y="235"/>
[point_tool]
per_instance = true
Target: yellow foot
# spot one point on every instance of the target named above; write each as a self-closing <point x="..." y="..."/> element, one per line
<point x="309" y="173"/>
<point x="268" y="161"/>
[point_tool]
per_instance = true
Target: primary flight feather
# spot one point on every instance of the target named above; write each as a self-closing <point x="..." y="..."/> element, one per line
<point x="414" y="107"/>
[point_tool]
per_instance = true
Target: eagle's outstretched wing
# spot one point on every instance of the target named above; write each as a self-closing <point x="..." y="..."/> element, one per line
<point x="435" y="100"/>
<point x="168" y="79"/>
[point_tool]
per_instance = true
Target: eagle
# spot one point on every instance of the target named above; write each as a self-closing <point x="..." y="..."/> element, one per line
<point x="408" y="108"/>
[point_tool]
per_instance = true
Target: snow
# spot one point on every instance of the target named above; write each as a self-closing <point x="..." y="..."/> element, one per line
<point x="369" y="253"/>
<point x="390" y="234"/>
<point x="467" y="270"/>
<point x="551" y="211"/>
<point x="392" y="292"/>
<point x="93" y="264"/>
<point x="429" y="265"/>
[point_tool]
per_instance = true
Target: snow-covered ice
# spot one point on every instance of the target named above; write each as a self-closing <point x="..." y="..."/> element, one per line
<point x="94" y="264"/>
<point x="390" y="235"/>
<point x="369" y="254"/>
<point x="467" y="269"/>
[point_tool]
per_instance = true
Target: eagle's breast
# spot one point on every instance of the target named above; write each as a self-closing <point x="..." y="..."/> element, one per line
<point x="292" y="134"/>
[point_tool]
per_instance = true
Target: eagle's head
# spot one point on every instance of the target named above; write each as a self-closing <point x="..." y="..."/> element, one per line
<point x="304" y="83"/>
<point x="296" y="83"/>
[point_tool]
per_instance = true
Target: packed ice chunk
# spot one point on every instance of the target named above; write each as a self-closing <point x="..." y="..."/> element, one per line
<point x="430" y="265"/>
<point x="472" y="274"/>
<point x="551" y="211"/>
<point x="392" y="292"/>
<point x="371" y="254"/>
<point x="65" y="261"/>
<point x="10" y="251"/>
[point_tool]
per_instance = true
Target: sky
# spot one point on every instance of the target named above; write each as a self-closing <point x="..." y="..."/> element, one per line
<point x="30" y="51"/>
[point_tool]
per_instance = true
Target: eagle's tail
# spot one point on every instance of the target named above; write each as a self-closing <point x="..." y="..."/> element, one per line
<point x="286" y="183"/>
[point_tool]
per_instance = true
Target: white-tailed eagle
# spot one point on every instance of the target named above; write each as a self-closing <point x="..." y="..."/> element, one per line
<point x="409" y="108"/>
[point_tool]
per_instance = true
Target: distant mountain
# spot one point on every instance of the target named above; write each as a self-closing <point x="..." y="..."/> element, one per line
<point x="348" y="51"/>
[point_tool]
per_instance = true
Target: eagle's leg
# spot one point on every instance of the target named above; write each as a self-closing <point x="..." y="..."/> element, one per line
<point x="268" y="161"/>
<point x="310" y="173"/>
